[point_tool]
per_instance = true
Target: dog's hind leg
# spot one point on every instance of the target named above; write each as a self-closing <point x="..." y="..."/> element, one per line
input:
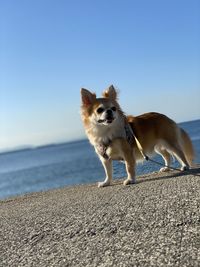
<point x="166" y="157"/>
<point x="178" y="153"/>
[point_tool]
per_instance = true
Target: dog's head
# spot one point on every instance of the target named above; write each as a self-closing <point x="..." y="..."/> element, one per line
<point x="100" y="111"/>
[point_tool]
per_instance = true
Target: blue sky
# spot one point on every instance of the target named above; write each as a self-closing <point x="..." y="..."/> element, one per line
<point x="149" y="49"/>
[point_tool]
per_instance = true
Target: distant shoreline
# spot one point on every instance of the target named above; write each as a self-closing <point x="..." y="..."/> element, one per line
<point x="32" y="147"/>
<point x="27" y="148"/>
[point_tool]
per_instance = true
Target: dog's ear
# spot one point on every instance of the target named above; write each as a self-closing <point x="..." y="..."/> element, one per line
<point x="110" y="93"/>
<point x="87" y="97"/>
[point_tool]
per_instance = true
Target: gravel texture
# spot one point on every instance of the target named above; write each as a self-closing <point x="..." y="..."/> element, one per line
<point x="152" y="223"/>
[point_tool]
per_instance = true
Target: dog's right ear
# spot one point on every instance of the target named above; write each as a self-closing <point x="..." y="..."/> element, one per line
<point x="88" y="98"/>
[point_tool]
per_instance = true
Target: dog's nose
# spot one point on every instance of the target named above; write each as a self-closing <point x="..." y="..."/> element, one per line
<point x="109" y="112"/>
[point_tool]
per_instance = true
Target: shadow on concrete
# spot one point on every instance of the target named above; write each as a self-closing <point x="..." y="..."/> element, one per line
<point x="171" y="174"/>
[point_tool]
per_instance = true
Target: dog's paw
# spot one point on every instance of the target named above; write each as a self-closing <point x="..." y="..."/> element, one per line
<point x="129" y="181"/>
<point x="165" y="169"/>
<point x="103" y="184"/>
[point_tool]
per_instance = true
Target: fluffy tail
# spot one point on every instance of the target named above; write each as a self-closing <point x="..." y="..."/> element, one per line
<point x="187" y="147"/>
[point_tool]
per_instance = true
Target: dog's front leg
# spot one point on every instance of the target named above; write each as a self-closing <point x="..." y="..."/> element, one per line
<point x="130" y="168"/>
<point x="107" y="164"/>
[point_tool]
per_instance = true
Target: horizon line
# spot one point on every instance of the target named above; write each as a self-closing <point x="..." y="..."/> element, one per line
<point x="32" y="147"/>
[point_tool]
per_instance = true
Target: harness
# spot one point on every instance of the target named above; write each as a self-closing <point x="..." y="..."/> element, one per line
<point x="102" y="147"/>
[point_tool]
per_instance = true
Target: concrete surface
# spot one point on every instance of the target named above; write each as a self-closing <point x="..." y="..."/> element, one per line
<point x="152" y="223"/>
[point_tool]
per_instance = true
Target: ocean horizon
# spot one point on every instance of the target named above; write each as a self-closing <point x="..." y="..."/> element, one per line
<point x="30" y="146"/>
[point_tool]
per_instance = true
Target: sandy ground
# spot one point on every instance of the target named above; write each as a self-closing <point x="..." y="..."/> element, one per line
<point x="152" y="223"/>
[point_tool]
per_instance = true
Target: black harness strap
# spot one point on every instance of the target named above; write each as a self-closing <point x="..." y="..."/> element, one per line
<point x="129" y="133"/>
<point x="101" y="148"/>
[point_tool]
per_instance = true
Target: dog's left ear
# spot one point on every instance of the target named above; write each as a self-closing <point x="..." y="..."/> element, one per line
<point x="110" y="93"/>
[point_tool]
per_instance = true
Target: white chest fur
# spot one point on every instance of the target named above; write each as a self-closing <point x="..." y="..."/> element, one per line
<point x="103" y="134"/>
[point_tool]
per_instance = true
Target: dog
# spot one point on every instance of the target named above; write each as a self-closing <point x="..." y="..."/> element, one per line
<point x="114" y="135"/>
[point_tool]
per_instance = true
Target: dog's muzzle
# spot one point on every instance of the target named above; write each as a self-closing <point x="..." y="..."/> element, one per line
<point x="109" y="117"/>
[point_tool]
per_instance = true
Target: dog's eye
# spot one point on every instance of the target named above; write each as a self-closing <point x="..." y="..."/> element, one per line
<point x="113" y="108"/>
<point x="100" y="110"/>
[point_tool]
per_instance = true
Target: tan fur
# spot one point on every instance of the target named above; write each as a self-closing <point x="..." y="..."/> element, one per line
<point x="156" y="133"/>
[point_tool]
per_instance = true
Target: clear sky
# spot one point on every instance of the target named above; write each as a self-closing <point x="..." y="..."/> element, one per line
<point x="149" y="49"/>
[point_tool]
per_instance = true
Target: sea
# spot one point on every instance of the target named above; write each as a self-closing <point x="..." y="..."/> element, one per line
<point x="55" y="166"/>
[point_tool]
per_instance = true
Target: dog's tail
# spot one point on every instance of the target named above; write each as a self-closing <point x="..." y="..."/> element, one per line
<point x="187" y="147"/>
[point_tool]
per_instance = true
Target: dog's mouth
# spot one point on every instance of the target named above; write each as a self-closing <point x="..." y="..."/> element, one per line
<point x="110" y="120"/>
<point x="107" y="120"/>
